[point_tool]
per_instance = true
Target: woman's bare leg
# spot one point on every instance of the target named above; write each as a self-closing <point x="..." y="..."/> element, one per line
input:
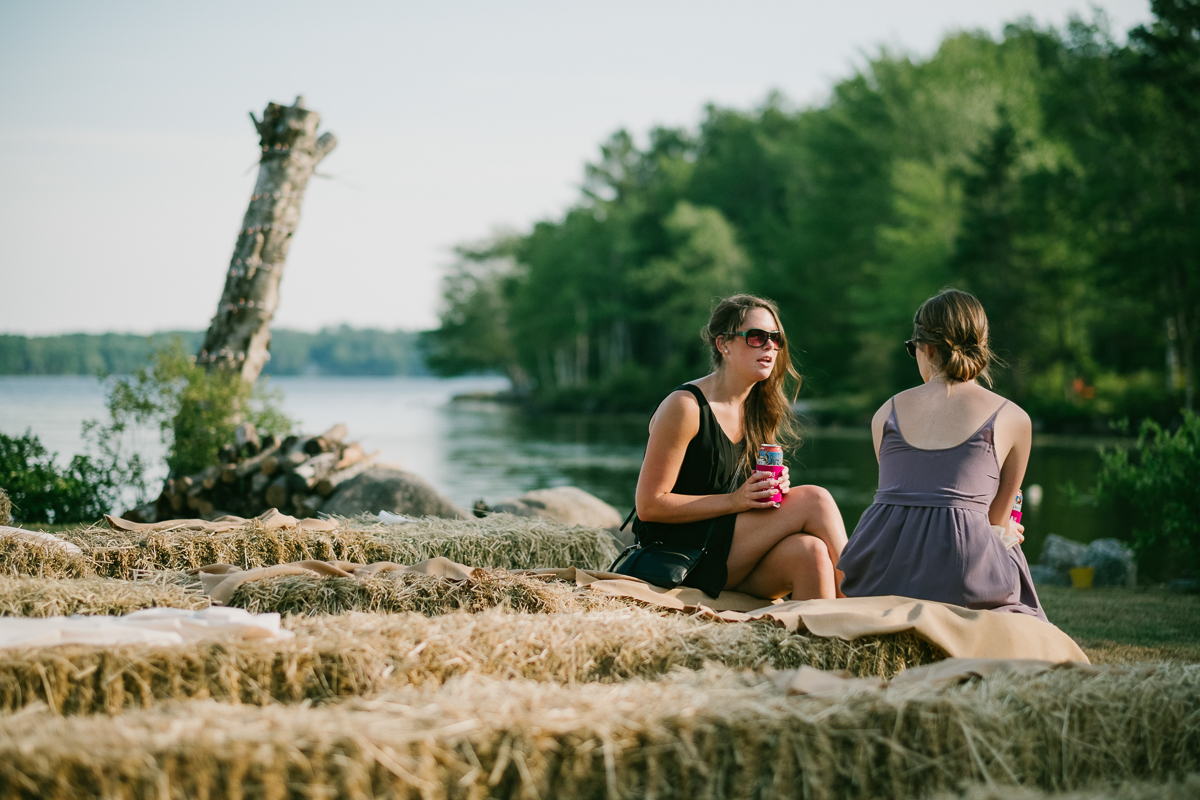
<point x="798" y="565"/>
<point x="805" y="509"/>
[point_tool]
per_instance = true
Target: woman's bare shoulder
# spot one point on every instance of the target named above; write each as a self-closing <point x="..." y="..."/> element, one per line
<point x="1012" y="414"/>
<point x="881" y="414"/>
<point x="678" y="409"/>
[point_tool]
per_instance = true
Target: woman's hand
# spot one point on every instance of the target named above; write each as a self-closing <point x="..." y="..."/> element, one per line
<point x="785" y="481"/>
<point x="756" y="492"/>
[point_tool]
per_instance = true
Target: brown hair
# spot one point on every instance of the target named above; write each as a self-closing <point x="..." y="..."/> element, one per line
<point x="953" y="322"/>
<point x="767" y="413"/>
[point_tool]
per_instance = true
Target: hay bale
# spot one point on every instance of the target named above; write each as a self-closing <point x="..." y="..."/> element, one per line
<point x="499" y="541"/>
<point x="711" y="734"/>
<point x="1188" y="788"/>
<point x="41" y="559"/>
<point x="358" y="654"/>
<point x="431" y="595"/>
<point x="38" y="597"/>
<point x="5" y="507"/>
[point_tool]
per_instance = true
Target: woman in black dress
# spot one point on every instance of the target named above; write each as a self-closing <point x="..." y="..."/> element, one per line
<point x="698" y="481"/>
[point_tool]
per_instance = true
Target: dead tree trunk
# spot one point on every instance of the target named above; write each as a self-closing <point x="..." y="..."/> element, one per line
<point x="240" y="333"/>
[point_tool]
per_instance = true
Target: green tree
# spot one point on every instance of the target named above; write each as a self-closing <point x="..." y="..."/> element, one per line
<point x="475" y="333"/>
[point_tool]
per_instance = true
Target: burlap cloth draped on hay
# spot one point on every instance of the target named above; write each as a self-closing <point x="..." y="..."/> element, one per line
<point x="959" y="631"/>
<point x="272" y="518"/>
<point x="152" y="626"/>
<point x="38" y="538"/>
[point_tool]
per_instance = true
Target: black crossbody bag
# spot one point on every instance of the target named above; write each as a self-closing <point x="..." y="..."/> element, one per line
<point x="659" y="563"/>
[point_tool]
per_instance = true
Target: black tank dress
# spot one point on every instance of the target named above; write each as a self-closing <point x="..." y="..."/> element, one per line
<point x="711" y="465"/>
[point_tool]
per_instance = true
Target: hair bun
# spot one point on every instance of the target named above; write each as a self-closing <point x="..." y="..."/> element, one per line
<point x="955" y="324"/>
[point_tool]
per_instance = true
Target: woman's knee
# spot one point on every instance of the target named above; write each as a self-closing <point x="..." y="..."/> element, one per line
<point x="812" y="501"/>
<point x="806" y="548"/>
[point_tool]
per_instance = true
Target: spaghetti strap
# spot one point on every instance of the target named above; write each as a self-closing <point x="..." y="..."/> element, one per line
<point x="987" y="425"/>
<point x="992" y="419"/>
<point x="695" y="390"/>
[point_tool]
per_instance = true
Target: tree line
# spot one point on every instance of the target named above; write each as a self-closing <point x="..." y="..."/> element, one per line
<point x="1052" y="172"/>
<point x="332" y="351"/>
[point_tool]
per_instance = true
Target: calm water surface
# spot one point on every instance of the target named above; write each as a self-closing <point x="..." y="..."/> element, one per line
<point x="480" y="450"/>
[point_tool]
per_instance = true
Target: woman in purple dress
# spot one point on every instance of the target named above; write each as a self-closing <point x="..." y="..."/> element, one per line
<point x="952" y="456"/>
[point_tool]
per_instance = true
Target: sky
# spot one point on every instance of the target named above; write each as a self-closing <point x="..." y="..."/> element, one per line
<point x="127" y="155"/>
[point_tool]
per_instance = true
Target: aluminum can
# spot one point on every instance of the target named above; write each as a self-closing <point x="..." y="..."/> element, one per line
<point x="1016" y="509"/>
<point x="770" y="455"/>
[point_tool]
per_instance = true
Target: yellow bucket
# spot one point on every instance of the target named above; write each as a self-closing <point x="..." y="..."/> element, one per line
<point x="1081" y="577"/>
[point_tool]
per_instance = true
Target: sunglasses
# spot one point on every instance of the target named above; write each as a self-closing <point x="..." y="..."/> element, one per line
<point x="757" y="337"/>
<point x="911" y="346"/>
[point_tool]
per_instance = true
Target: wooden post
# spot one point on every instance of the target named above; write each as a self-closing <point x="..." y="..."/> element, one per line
<point x="240" y="333"/>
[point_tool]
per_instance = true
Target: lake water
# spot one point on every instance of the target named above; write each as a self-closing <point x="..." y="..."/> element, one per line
<point x="481" y="450"/>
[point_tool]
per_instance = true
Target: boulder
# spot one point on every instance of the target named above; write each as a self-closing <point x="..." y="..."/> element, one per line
<point x="385" y="488"/>
<point x="1184" y="585"/>
<point x="1047" y="576"/>
<point x="1061" y="554"/>
<point x="1113" y="562"/>
<point x="566" y="504"/>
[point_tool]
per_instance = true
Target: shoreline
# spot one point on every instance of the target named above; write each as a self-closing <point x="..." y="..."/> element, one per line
<point x="809" y="428"/>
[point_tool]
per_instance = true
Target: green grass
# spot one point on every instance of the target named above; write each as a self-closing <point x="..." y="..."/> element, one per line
<point x="1124" y="626"/>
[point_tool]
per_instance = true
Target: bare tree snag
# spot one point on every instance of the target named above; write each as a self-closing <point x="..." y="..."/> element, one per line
<point x="240" y="333"/>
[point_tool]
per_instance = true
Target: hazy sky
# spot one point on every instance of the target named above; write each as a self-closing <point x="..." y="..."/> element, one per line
<point x="127" y="157"/>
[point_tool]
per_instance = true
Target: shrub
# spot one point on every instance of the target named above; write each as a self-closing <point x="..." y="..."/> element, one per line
<point x="195" y="411"/>
<point x="41" y="492"/>
<point x="1161" y="482"/>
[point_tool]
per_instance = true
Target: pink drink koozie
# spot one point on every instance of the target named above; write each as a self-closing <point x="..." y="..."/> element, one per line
<point x="775" y="471"/>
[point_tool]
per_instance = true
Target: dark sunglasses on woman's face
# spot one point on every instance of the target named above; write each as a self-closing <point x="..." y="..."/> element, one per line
<point x="911" y="346"/>
<point x="757" y="337"/>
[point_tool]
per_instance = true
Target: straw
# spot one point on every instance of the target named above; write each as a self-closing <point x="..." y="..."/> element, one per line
<point x="38" y="597"/>
<point x="19" y="557"/>
<point x="1187" y="788"/>
<point x="712" y="734"/>
<point x="358" y="654"/>
<point x="499" y="540"/>
<point x="425" y="594"/>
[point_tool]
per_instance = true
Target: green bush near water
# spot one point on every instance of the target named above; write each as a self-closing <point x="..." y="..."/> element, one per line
<point x="41" y="492"/>
<point x="194" y="411"/>
<point x="1160" y="481"/>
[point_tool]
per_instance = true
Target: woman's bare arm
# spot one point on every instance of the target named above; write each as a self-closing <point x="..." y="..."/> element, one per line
<point x="674" y="425"/>
<point x="877" y="423"/>
<point x="1017" y="436"/>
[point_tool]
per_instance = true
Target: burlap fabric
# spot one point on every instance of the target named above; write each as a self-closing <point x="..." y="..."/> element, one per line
<point x="961" y="632"/>
<point x="272" y="518"/>
<point x="40" y="539"/>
